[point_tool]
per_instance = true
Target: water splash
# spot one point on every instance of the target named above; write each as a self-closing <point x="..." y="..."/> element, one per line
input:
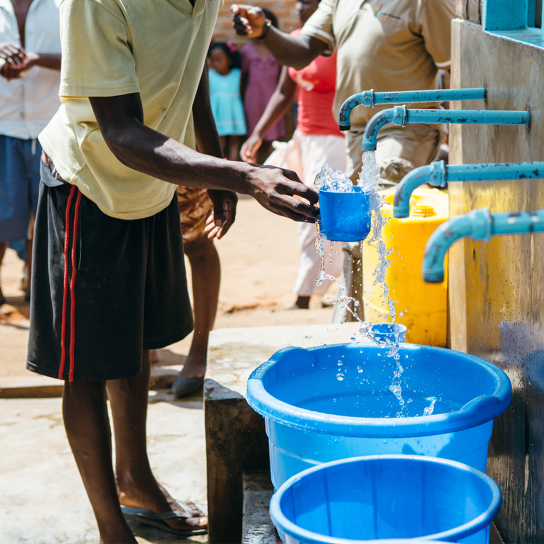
<point x="334" y="180"/>
<point x="430" y="409"/>
<point x="331" y="179"/>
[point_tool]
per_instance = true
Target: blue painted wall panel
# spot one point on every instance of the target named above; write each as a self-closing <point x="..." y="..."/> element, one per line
<point x="504" y="14"/>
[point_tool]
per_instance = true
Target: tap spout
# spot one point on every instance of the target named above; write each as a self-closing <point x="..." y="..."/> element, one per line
<point x="371" y="99"/>
<point x="438" y="174"/>
<point x="479" y="225"/>
<point x="401" y="115"/>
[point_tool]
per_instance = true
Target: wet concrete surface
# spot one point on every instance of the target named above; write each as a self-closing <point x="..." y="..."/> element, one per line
<point x="43" y="500"/>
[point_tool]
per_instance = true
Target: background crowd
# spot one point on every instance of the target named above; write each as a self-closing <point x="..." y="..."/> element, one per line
<point x="251" y="96"/>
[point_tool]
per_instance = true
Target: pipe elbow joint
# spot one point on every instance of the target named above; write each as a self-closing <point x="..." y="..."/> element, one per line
<point x="435" y="174"/>
<point x="370" y="135"/>
<point x="478" y="224"/>
<point x="369" y="143"/>
<point x="401" y="212"/>
<point x="434" y="275"/>
<point x="366" y="98"/>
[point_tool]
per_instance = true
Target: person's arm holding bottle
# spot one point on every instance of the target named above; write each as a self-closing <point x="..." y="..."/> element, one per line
<point x="276" y="108"/>
<point x="294" y="51"/>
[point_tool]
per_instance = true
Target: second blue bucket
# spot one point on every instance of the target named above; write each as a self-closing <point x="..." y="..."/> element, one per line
<point x="385" y="497"/>
<point x="345" y="217"/>
<point x="332" y="402"/>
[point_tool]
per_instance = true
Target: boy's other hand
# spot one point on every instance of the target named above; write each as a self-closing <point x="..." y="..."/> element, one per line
<point x="224" y="213"/>
<point x="249" y="148"/>
<point x="277" y="189"/>
<point x="248" y="20"/>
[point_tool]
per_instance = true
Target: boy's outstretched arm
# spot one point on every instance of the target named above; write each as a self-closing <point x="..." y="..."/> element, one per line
<point x="120" y="119"/>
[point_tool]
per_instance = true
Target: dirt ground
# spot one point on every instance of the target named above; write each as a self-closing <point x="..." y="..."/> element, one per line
<point x="259" y="260"/>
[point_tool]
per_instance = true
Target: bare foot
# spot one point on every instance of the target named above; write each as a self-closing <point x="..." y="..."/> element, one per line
<point x="153" y="496"/>
<point x="195" y="366"/>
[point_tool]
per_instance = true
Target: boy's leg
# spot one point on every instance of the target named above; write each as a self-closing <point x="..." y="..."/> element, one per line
<point x="206" y="277"/>
<point x="136" y="485"/>
<point x="88" y="430"/>
<point x="234" y="148"/>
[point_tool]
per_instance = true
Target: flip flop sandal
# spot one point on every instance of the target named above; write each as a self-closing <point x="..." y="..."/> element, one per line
<point x="182" y="387"/>
<point x="158" y="520"/>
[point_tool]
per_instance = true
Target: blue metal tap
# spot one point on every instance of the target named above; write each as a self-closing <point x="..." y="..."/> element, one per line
<point x="371" y="99"/>
<point x="438" y="174"/>
<point x="401" y="115"/>
<point x="479" y="225"/>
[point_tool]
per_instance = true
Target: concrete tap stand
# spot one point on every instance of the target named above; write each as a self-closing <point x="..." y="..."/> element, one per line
<point x="236" y="441"/>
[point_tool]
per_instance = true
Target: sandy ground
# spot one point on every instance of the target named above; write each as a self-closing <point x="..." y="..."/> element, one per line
<point x="43" y="500"/>
<point x="259" y="260"/>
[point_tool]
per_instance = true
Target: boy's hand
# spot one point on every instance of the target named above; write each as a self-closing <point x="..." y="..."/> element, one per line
<point x="276" y="188"/>
<point x="248" y="20"/>
<point x="224" y="213"/>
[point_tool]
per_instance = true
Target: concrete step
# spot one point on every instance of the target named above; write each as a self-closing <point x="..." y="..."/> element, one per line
<point x="35" y="386"/>
<point x="15" y="387"/>
<point x="257" y="528"/>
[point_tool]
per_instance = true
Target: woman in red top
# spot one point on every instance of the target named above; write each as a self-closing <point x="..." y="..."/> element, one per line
<point x="316" y="142"/>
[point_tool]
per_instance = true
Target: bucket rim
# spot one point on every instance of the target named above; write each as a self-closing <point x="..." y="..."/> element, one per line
<point x="476" y="412"/>
<point x="462" y="531"/>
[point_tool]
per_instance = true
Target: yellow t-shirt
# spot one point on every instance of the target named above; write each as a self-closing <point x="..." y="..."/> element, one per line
<point x="109" y="48"/>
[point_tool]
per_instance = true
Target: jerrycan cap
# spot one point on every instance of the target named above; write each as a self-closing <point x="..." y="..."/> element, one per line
<point x="421" y="210"/>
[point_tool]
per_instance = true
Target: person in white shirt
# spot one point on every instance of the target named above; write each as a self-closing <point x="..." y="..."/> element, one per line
<point x="29" y="85"/>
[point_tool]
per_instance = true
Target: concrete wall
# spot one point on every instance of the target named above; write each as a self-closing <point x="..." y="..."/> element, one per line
<point x="471" y="10"/>
<point x="497" y="288"/>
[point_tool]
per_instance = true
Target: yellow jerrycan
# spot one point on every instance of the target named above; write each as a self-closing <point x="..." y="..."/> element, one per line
<point x="420" y="306"/>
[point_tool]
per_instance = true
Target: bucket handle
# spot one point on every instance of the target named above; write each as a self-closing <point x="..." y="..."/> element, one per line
<point x="484" y="405"/>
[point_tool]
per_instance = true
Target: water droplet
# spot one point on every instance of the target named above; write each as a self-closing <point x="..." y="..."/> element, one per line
<point x="339" y="376"/>
<point x="359" y="369"/>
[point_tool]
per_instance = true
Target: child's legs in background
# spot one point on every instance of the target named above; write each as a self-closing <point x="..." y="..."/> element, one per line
<point x="230" y="144"/>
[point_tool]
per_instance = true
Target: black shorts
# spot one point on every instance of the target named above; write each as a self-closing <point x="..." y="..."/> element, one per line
<point x="103" y="289"/>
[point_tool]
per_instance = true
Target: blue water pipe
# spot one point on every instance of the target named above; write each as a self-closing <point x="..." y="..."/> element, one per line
<point x="401" y="115"/>
<point x="438" y="174"/>
<point x="371" y="99"/>
<point x="479" y="225"/>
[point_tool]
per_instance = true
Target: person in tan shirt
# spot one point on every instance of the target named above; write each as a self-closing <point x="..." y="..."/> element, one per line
<point x="385" y="45"/>
<point x="108" y="278"/>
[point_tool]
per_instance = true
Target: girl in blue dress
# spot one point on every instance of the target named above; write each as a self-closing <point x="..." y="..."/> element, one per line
<point x="226" y="101"/>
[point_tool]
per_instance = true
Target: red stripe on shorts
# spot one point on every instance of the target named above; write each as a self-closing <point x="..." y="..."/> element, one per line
<point x="72" y="285"/>
<point x="72" y="292"/>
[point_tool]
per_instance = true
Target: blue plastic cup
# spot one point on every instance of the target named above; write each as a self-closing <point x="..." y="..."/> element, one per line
<point x="345" y="217"/>
<point x="386" y="497"/>
<point x="386" y="332"/>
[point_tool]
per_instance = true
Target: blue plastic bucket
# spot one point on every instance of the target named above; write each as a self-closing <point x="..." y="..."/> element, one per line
<point x="345" y="217"/>
<point x="332" y="402"/>
<point x="386" y="497"/>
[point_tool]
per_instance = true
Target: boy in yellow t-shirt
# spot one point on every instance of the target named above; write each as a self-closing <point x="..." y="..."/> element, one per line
<point x="109" y="279"/>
